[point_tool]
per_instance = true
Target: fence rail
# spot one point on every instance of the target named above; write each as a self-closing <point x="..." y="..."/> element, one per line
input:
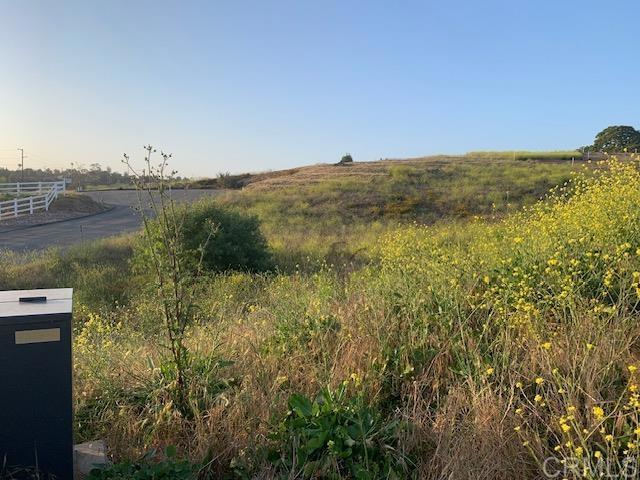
<point x="39" y="196"/>
<point x="29" y="187"/>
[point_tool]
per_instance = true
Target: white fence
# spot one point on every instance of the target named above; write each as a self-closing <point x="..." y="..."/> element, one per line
<point x="30" y="197"/>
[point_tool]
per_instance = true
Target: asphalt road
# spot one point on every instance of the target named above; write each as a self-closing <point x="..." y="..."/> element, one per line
<point x="120" y="218"/>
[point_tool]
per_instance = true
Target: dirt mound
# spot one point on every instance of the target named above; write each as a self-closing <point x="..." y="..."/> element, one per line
<point x="76" y="203"/>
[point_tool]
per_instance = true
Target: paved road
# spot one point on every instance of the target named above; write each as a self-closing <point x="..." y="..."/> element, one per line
<point x="120" y="218"/>
<point x="130" y="197"/>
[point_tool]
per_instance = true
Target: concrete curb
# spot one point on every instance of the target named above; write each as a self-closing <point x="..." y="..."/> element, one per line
<point x="27" y="227"/>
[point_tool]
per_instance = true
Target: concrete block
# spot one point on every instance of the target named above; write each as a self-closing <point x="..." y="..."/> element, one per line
<point x="87" y="456"/>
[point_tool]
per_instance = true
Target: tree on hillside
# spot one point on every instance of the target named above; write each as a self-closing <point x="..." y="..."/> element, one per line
<point x="346" y="159"/>
<point x="616" y="139"/>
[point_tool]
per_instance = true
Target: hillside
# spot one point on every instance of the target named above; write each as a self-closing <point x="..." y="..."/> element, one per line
<point x="423" y="189"/>
<point x="324" y="171"/>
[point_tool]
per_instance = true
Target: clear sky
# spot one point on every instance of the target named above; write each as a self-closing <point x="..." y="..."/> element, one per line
<point x="258" y="85"/>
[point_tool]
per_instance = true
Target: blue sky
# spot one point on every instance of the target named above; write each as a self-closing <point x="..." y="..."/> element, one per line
<point x="258" y="85"/>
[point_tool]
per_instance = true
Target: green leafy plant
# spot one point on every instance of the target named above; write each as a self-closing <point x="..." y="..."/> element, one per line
<point x="334" y="436"/>
<point x="147" y="469"/>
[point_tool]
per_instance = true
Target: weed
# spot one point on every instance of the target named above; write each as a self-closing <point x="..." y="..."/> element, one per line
<point x="147" y="469"/>
<point x="333" y="436"/>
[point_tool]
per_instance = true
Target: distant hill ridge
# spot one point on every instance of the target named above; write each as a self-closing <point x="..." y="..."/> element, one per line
<point x="325" y="171"/>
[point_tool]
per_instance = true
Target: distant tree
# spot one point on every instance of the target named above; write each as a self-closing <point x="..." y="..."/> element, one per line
<point x="346" y="159"/>
<point x="95" y="175"/>
<point x="617" y="138"/>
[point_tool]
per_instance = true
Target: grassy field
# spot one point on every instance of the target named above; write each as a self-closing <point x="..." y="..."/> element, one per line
<point x="419" y="190"/>
<point x="558" y="156"/>
<point x="464" y="335"/>
<point x="362" y="170"/>
<point x="328" y="207"/>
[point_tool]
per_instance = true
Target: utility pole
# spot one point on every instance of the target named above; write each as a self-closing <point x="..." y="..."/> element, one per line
<point x="21" y="164"/>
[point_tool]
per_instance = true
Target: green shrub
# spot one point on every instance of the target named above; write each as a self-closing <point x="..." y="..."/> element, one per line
<point x="237" y="242"/>
<point x="335" y="436"/>
<point x="346" y="159"/>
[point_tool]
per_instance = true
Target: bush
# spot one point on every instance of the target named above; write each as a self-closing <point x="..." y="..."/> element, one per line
<point x="346" y="159"/>
<point x="237" y="244"/>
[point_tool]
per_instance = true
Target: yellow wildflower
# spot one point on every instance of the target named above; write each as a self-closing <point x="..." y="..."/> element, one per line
<point x="598" y="412"/>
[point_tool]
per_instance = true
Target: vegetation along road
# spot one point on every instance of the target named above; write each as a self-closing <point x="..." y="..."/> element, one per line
<point x="121" y="218"/>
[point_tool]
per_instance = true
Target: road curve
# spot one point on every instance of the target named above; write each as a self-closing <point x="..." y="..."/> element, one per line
<point x="121" y="218"/>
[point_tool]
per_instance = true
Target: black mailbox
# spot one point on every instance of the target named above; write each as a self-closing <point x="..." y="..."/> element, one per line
<point x="36" y="430"/>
